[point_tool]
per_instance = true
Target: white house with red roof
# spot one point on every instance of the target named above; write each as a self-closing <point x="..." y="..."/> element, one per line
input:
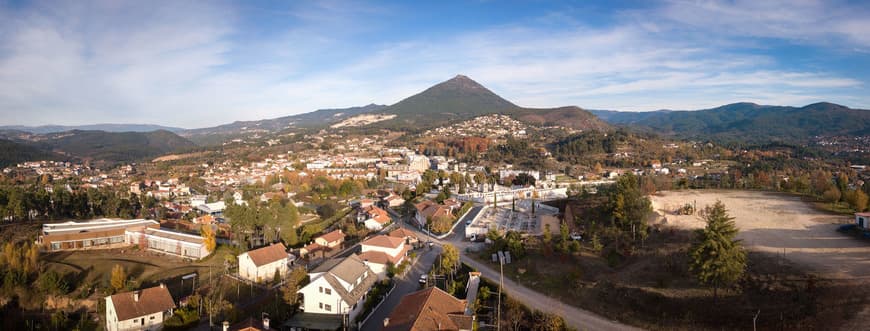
<point x="261" y="264"/>
<point x="380" y="251"/>
<point x="374" y="218"/>
<point x="139" y="310"/>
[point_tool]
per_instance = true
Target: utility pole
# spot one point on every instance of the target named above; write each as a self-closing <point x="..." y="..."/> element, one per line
<point x="500" y="285"/>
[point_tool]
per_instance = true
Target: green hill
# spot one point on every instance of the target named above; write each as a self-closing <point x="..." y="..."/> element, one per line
<point x="115" y="146"/>
<point x="12" y="152"/>
<point x="750" y="122"/>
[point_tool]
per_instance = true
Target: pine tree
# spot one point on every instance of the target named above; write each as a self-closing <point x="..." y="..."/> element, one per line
<point x="716" y="258"/>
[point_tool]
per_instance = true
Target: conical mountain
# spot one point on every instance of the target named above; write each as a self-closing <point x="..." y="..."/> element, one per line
<point x="462" y="98"/>
<point x="456" y="99"/>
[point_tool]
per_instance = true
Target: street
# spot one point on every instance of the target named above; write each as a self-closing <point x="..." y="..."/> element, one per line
<point x="575" y="317"/>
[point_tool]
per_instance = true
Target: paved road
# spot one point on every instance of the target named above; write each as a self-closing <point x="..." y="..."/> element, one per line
<point x="404" y="285"/>
<point x="574" y="317"/>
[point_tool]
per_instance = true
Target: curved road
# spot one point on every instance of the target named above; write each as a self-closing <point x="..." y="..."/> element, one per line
<point x="575" y="317"/>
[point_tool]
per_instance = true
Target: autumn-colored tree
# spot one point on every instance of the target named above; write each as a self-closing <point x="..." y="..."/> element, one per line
<point x="119" y="277"/>
<point x="208" y="237"/>
<point x="860" y="201"/>
<point x="290" y="289"/>
<point x="832" y="195"/>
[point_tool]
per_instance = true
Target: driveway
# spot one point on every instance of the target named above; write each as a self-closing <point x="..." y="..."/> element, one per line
<point x="404" y="285"/>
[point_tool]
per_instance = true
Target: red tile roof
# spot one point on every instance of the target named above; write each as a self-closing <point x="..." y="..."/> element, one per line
<point x="429" y="309"/>
<point x="151" y="300"/>
<point x="403" y="233"/>
<point x="384" y="241"/>
<point x="378" y="214"/>
<point x="333" y="236"/>
<point x="265" y="255"/>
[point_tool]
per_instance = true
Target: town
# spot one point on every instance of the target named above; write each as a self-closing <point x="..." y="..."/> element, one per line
<point x="434" y="166"/>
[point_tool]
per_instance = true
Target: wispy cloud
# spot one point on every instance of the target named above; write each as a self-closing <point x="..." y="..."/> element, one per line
<point x="206" y="63"/>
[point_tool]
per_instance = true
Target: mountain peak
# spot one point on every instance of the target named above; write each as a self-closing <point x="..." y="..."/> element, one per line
<point x="461" y="82"/>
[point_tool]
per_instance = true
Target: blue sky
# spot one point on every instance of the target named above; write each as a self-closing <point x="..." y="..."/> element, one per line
<point x="204" y="63"/>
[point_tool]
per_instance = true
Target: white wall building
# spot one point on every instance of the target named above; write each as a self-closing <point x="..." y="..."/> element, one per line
<point x="139" y="310"/>
<point x="339" y="286"/>
<point x="261" y="264"/>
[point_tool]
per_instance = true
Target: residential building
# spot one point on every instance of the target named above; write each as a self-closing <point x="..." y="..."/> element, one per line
<point x="393" y="200"/>
<point x="381" y="251"/>
<point x="263" y="263"/>
<point x="409" y="236"/>
<point x="429" y="309"/>
<point x="331" y="240"/>
<point x="428" y="209"/>
<point x="338" y="287"/>
<point x="373" y="217"/>
<point x="139" y="310"/>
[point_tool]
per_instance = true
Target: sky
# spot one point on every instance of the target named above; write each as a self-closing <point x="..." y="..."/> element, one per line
<point x="204" y="63"/>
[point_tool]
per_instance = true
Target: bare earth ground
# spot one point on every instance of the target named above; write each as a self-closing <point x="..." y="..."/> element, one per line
<point x="778" y="224"/>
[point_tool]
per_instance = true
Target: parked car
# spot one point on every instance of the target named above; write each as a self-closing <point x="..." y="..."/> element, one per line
<point x="424" y="279"/>
<point x="576" y="236"/>
<point x="846" y="227"/>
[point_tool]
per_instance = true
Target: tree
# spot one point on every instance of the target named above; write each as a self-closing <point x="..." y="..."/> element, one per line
<point x="208" y="237"/>
<point x="119" y="277"/>
<point x="290" y="289"/>
<point x="441" y="224"/>
<point x="449" y="258"/>
<point x="832" y="195"/>
<point x="716" y="258"/>
<point x="860" y="201"/>
<point x="629" y="206"/>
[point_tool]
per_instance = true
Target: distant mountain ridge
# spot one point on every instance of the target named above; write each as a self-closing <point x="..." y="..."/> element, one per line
<point x="317" y="118"/>
<point x="747" y="121"/>
<point x="456" y="99"/>
<point x="94" y="145"/>
<point x="108" y="127"/>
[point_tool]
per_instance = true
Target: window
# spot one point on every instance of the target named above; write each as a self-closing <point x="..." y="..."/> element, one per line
<point x="327" y="307"/>
<point x="152" y="317"/>
<point x="321" y="305"/>
<point x="328" y="292"/>
<point x="320" y="288"/>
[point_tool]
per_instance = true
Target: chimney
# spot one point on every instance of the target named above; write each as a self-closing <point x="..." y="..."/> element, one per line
<point x="225" y="326"/>
<point x="136" y="296"/>
<point x="386" y="321"/>
<point x="266" y="323"/>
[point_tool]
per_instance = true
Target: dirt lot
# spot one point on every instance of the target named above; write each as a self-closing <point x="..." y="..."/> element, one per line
<point x="778" y="224"/>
